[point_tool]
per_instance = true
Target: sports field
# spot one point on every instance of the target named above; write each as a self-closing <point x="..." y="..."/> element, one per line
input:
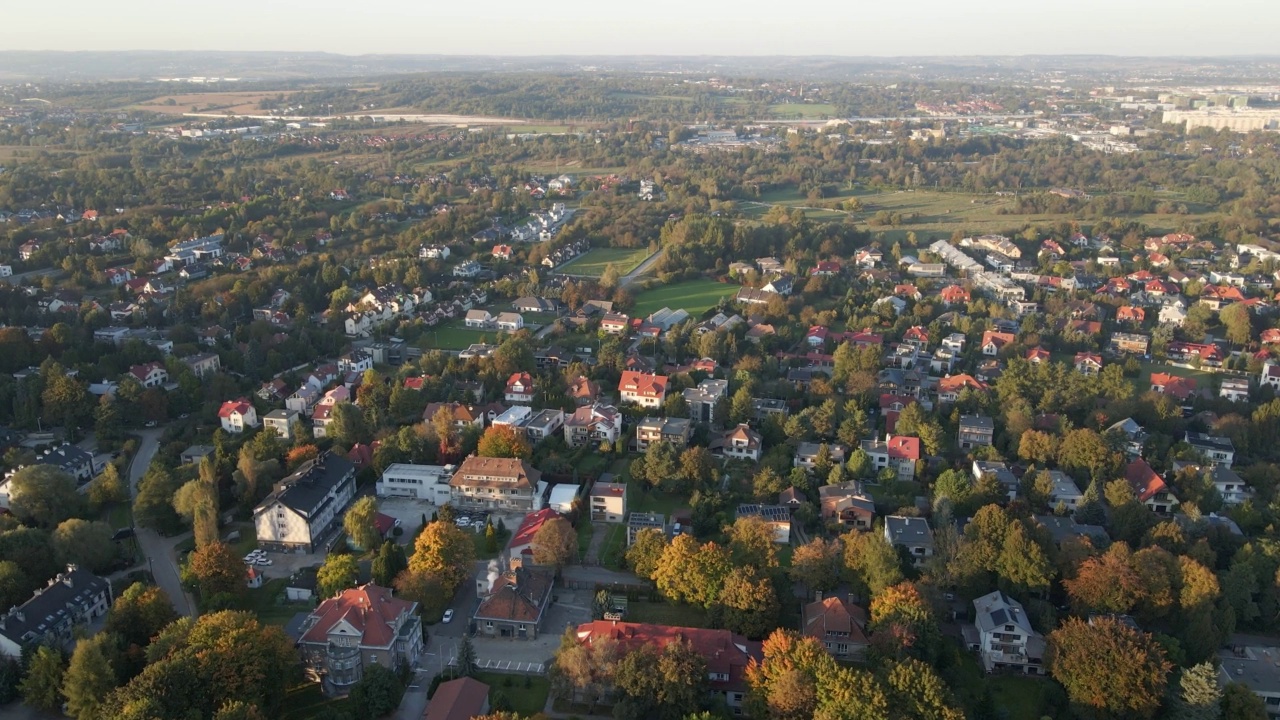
<point x="694" y="297"/>
<point x="593" y="262"/>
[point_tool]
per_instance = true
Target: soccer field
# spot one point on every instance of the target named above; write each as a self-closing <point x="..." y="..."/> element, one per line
<point x="694" y="297"/>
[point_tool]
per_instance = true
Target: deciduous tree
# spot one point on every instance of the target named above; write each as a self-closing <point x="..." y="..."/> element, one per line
<point x="42" y="687"/>
<point x="555" y="543"/>
<point x="217" y="570"/>
<point x="1108" y="667"/>
<point x="504" y="441"/>
<point x="749" y="602"/>
<point x="817" y="564"/>
<point x="444" y="552"/>
<point x="44" y="494"/>
<point x="871" y="561"/>
<point x="338" y="573"/>
<point x="645" y="554"/>
<point x="85" y="543"/>
<point x="361" y="523"/>
<point x="89" y="676"/>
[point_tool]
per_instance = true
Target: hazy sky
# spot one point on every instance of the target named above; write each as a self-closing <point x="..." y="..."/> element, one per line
<point x="660" y="27"/>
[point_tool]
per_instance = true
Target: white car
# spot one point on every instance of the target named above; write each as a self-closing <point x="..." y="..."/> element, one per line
<point x="264" y="561"/>
<point x="462" y="522"/>
<point x="448" y="616"/>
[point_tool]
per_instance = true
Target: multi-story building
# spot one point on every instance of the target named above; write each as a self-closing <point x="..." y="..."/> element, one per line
<point x="975" y="431"/>
<point x="808" y="454"/>
<point x="1002" y="636"/>
<point x="642" y="389"/>
<point x="1149" y="487"/>
<point x="839" y="625"/>
<point x="281" y="422"/>
<point x="304" y="510"/>
<point x="702" y="400"/>
<point x="912" y="533"/>
<point x="592" y="423"/>
<point x="513" y="604"/>
<point x="608" y="502"/>
<point x="495" y="483"/>
<point x="150" y="375"/>
<point x="739" y="443"/>
<point x="1217" y="450"/>
<point x="847" y="504"/>
<point x="676" y="431"/>
<point x="357" y="629"/>
<point x="519" y="389"/>
<point x="237" y="415"/>
<point x="898" y="452"/>
<point x="421" y="482"/>
<point x="1134" y="343"/>
<point x="203" y="364"/>
<point x="71" y="600"/>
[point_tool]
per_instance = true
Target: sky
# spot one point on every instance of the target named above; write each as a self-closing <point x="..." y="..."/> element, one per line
<point x="653" y="27"/>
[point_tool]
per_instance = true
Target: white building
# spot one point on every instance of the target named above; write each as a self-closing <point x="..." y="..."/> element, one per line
<point x="305" y="510"/>
<point x="236" y="415"/>
<point x="1004" y="638"/>
<point x="72" y="600"/>
<point x="420" y="482"/>
<point x="281" y="422"/>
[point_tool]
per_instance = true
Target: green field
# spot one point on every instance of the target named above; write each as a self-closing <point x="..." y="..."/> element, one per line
<point x="525" y="701"/>
<point x="613" y="551"/>
<point x="593" y="262"/>
<point x="694" y="296"/>
<point x="803" y="110"/>
<point x="661" y="613"/>
<point x="456" y="337"/>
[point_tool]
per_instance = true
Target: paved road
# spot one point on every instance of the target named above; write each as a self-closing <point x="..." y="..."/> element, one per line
<point x="641" y="269"/>
<point x="158" y="549"/>
<point x="56" y="273"/>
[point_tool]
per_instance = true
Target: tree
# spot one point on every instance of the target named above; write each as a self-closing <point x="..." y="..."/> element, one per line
<point x="377" y="692"/>
<point x="555" y="543"/>
<point x="872" y="561"/>
<point x="1107" y="666"/>
<point x="749" y="601"/>
<point x="361" y="523"/>
<point x="784" y="685"/>
<point x="696" y="466"/>
<point x="44" y="494"/>
<point x="423" y="589"/>
<point x="645" y="553"/>
<point x="42" y="687"/>
<point x="1105" y="584"/>
<point x="347" y="426"/>
<point x="1235" y="318"/>
<point x="139" y="614"/>
<point x="1240" y="703"/>
<point x="915" y="691"/>
<point x="216" y="569"/>
<point x="238" y="710"/>
<point x="108" y="488"/>
<point x="903" y="623"/>
<point x="766" y="485"/>
<point x="445" y="552"/>
<point x="1199" y="697"/>
<point x="299" y="455"/>
<point x="504" y="441"/>
<point x="389" y="564"/>
<point x="466" y="656"/>
<point x="692" y="573"/>
<point x="153" y="504"/>
<point x="1023" y="564"/>
<point x="15" y="586"/>
<point x="817" y="564"/>
<point x="338" y="573"/>
<point x="85" y="543"/>
<point x="751" y="543"/>
<point x="89" y="676"/>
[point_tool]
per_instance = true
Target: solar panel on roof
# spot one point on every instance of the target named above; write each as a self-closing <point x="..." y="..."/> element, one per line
<point x="999" y="617"/>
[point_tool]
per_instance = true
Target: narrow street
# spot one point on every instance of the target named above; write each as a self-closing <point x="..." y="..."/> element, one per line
<point x="159" y="551"/>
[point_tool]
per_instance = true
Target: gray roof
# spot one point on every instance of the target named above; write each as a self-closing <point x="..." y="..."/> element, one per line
<point x="996" y="610"/>
<point x="1065" y="528"/>
<point x="57" y="603"/>
<point x="307" y="490"/>
<point x="1221" y="444"/>
<point x="772" y="513"/>
<point x="977" y="421"/>
<point x="1257" y="667"/>
<point x="908" y="530"/>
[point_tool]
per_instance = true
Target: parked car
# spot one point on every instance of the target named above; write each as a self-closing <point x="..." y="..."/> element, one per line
<point x="448" y="616"/>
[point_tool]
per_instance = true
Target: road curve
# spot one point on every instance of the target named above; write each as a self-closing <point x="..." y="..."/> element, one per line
<point x="158" y="550"/>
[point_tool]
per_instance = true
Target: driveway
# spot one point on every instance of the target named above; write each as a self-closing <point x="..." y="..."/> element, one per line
<point x="162" y="561"/>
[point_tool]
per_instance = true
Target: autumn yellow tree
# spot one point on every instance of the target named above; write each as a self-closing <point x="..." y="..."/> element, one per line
<point x="444" y="552"/>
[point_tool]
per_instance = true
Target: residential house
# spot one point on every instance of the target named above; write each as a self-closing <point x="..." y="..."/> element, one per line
<point x="1087" y="363"/>
<point x="1172" y="314"/>
<point x="1065" y="491"/>
<point x="1217" y="450"/>
<point x="1234" y="389"/>
<point x="1005" y="640"/>
<point x="638" y="522"/>
<point x="675" y="431"/>
<point x="808" y="454"/>
<point x="899" y="452"/>
<point x="1229" y="485"/>
<point x="495" y="483"/>
<point x="847" y="504"/>
<point x="950" y="387"/>
<point x="236" y="415"/>
<point x="726" y="654"/>
<point x="69" y="602"/>
<point x="1000" y="471"/>
<point x="592" y="423"/>
<point x="281" y="422"/>
<point x="993" y="342"/>
<point x="479" y="319"/>
<point x="1179" y="388"/>
<point x="702" y="400"/>
<point x="975" y="431"/>
<point x="912" y="533"/>
<point x="509" y="321"/>
<point x="740" y="443"/>
<point x="954" y="295"/>
<point x="464" y="416"/>
<point x="203" y="364"/>
<point x="1132" y="434"/>
<point x="357" y="629"/>
<point x="764" y="408"/>
<point x="1270" y="375"/>
<point x="304" y="510"/>
<point x="615" y="324"/>
<point x="643" y="389"/>
<point x="356" y="361"/>
<point x="583" y="391"/>
<point x="608" y="502"/>
<point x="839" y="625"/>
<point x="1149" y="488"/>
<point x="466" y="269"/>
<point x="150" y="375"/>
<point x="513" y="604"/>
<point x="520" y="389"/>
<point x="1255" y="667"/>
<point x="273" y="390"/>
<point x="1133" y="343"/>
<point x="303" y="399"/>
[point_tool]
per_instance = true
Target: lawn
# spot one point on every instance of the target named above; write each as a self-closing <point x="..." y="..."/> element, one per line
<point x="307" y="701"/>
<point x="1203" y="379"/>
<point x="694" y="296"/>
<point x="584" y="535"/>
<point x="614" y="549"/>
<point x="482" y="543"/>
<point x="268" y="603"/>
<point x="120" y="515"/>
<point x="1019" y="697"/>
<point x="593" y="262"/>
<point x="525" y="701"/>
<point x="450" y="337"/>
<point x="661" y="613"/>
<point x="656" y="501"/>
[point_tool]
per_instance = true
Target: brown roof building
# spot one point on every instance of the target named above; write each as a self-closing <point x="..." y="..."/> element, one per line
<point x="839" y="625"/>
<point x="360" y="627"/>
<point x="513" y="604"/>
<point x="484" y="482"/>
<point x="460" y="699"/>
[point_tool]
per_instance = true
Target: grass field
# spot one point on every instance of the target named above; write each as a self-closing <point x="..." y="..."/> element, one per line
<point x="694" y="296"/>
<point x="803" y="110"/>
<point x="614" y="549"/>
<point x="593" y="262"/>
<point x="451" y="337"/>
<point x="231" y="102"/>
<point x="525" y="701"/>
<point x="661" y="613"/>
<point x="655" y="501"/>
